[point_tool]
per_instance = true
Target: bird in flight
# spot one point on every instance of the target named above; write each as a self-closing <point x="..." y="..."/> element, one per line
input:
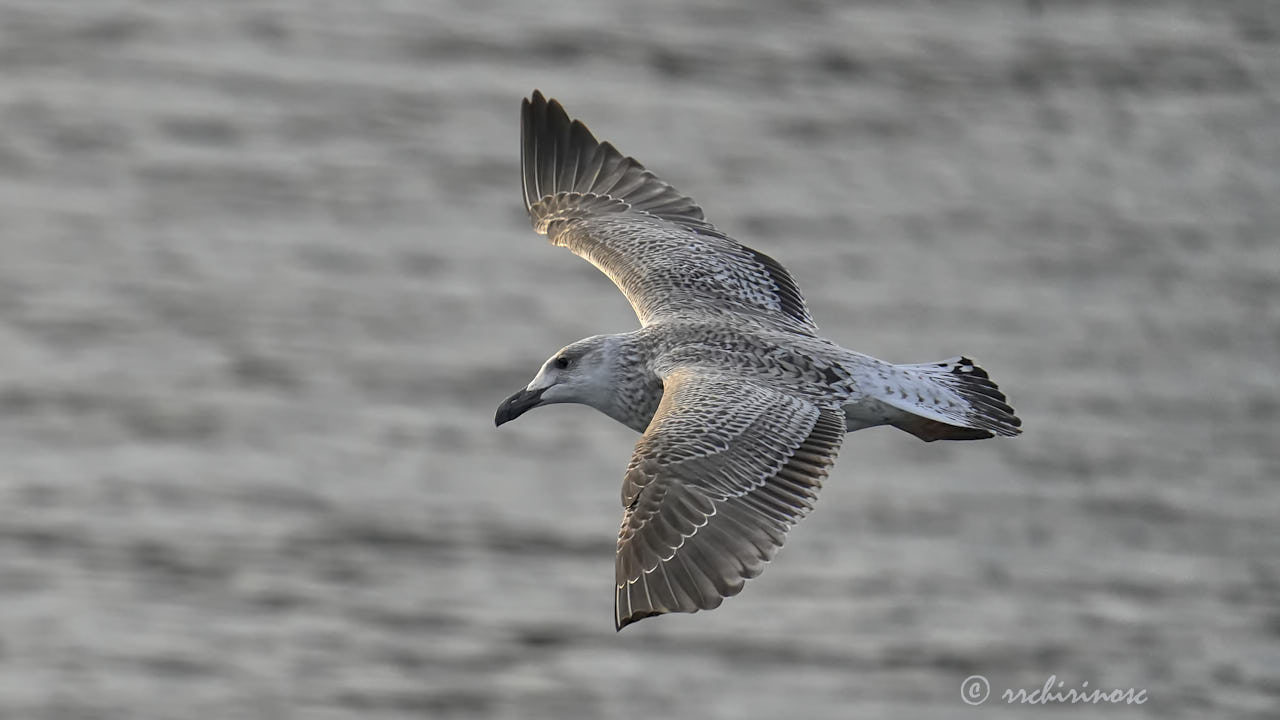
<point x="742" y="404"/>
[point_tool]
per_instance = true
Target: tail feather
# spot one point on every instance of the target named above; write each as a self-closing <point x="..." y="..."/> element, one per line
<point x="951" y="399"/>
<point x="930" y="430"/>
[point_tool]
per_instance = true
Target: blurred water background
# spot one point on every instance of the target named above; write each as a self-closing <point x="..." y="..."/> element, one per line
<point x="265" y="275"/>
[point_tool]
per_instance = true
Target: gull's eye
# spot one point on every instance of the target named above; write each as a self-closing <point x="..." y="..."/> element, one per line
<point x="561" y="362"/>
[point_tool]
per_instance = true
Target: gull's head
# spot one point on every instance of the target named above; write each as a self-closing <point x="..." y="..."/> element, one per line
<point x="579" y="373"/>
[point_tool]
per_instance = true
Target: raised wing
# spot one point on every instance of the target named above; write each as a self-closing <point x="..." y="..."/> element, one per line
<point x="724" y="470"/>
<point x="650" y="239"/>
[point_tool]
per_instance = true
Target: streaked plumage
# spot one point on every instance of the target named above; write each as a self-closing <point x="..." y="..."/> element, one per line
<point x="742" y="405"/>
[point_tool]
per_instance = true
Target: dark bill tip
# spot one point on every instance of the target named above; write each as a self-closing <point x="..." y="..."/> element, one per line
<point x="516" y="405"/>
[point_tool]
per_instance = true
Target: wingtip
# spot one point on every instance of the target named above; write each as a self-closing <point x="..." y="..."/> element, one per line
<point x="541" y="105"/>
<point x="621" y="622"/>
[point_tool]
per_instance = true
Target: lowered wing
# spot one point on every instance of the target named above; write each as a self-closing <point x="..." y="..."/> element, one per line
<point x="725" y="468"/>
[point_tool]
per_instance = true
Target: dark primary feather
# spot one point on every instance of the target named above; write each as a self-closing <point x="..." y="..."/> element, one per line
<point x="560" y="156"/>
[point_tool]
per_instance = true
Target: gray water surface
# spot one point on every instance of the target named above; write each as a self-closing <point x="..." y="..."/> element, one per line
<point x="265" y="275"/>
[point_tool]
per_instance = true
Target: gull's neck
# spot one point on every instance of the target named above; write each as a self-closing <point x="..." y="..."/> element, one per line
<point x="631" y="390"/>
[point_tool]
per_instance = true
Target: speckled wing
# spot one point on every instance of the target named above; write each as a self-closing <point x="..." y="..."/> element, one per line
<point x="649" y="238"/>
<point x="726" y="467"/>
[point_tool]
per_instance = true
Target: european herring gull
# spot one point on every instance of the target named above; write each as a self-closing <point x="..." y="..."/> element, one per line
<point x="742" y="404"/>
